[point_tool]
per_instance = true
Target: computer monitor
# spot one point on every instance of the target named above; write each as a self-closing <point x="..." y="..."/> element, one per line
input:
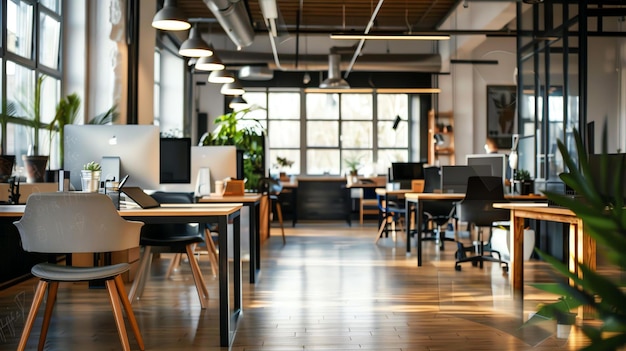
<point x="175" y="161"/>
<point x="137" y="147"/>
<point x="220" y="160"/>
<point x="454" y="178"/>
<point x="497" y="162"/>
<point x="405" y="172"/>
<point x="613" y="162"/>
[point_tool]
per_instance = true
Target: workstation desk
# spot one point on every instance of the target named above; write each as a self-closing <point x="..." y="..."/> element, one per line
<point x="195" y="213"/>
<point x="252" y="201"/>
<point x="582" y="247"/>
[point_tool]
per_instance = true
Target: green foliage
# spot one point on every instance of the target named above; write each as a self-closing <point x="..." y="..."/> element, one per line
<point x="109" y="116"/>
<point x="283" y="162"/>
<point x="92" y="166"/>
<point x="66" y="113"/>
<point x="33" y="111"/>
<point x="245" y="135"/>
<point x="522" y="175"/>
<point x="353" y="163"/>
<point x="605" y="222"/>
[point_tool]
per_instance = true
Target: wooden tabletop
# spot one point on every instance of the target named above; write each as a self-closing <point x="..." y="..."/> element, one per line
<point x="248" y="197"/>
<point x="182" y="210"/>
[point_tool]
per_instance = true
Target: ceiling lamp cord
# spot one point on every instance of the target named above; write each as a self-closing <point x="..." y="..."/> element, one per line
<point x="370" y="24"/>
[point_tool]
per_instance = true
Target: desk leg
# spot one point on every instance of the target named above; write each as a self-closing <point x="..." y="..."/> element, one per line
<point x="229" y="315"/>
<point x="516" y="266"/>
<point x="419" y="213"/>
<point x="585" y="254"/>
<point x="407" y="206"/>
<point x="255" y="242"/>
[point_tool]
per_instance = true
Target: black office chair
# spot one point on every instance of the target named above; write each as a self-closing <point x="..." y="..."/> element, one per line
<point x="436" y="213"/>
<point x="391" y="213"/>
<point x="477" y="209"/>
<point x="170" y="238"/>
<point x="272" y="188"/>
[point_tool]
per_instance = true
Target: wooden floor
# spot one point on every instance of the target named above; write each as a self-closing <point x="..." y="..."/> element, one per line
<point x="329" y="288"/>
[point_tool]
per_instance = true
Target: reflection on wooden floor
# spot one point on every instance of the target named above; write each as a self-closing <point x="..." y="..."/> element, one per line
<point x="329" y="288"/>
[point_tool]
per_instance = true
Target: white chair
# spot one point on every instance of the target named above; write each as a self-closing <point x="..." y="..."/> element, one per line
<point x="65" y="222"/>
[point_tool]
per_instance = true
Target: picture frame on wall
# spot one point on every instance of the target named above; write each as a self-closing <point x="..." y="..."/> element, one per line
<point x="501" y="111"/>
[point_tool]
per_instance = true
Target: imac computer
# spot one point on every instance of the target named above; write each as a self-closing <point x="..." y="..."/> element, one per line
<point x="497" y="162"/>
<point x="454" y="178"/>
<point x="405" y="172"/>
<point x="121" y="149"/>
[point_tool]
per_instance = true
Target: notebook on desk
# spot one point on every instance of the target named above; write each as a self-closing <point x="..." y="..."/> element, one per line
<point x="142" y="199"/>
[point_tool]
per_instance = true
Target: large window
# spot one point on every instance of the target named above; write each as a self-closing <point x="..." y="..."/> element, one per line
<point x="319" y="131"/>
<point x="32" y="50"/>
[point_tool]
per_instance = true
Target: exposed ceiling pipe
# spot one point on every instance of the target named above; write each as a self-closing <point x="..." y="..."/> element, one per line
<point x="234" y="19"/>
<point x="370" y="24"/>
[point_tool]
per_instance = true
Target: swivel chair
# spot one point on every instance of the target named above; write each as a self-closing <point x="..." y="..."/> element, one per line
<point x="477" y="209"/>
<point x="391" y="213"/>
<point x="436" y="213"/>
<point x="77" y="223"/>
<point x="170" y="238"/>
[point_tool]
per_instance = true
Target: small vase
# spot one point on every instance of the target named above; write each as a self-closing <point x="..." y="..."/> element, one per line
<point x="90" y="180"/>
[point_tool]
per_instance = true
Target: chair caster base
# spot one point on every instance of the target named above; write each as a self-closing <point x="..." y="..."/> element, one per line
<point x="457" y="268"/>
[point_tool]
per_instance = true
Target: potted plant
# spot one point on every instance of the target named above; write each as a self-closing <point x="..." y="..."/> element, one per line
<point x="90" y="177"/>
<point x="34" y="163"/>
<point x="66" y="113"/>
<point x="247" y="135"/>
<point x="526" y="183"/>
<point x="354" y="164"/>
<point x="605" y="222"/>
<point x="283" y="163"/>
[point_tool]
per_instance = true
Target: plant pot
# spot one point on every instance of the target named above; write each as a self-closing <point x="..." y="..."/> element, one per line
<point x="6" y="167"/>
<point x="35" y="168"/>
<point x="90" y="181"/>
<point x="527" y="187"/>
<point x="564" y="323"/>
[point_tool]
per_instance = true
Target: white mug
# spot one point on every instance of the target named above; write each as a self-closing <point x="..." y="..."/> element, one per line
<point x="219" y="187"/>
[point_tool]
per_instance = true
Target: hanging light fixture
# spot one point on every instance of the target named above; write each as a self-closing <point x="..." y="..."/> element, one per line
<point x="334" y="80"/>
<point x="233" y="88"/>
<point x="170" y="17"/>
<point x="238" y="103"/>
<point x="223" y="76"/>
<point x="209" y="63"/>
<point x="195" y="46"/>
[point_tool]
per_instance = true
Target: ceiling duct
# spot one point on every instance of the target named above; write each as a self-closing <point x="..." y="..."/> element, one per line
<point x="234" y="19"/>
<point x="334" y="80"/>
<point x="255" y="73"/>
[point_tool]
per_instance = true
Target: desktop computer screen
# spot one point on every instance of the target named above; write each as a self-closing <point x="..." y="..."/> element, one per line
<point x="405" y="172"/>
<point x="497" y="162"/>
<point x="175" y="161"/>
<point x="454" y="178"/>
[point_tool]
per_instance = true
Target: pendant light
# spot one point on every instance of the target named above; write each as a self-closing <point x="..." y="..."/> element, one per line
<point x="209" y="63"/>
<point x="238" y="103"/>
<point x="170" y="17"/>
<point x="233" y="88"/>
<point x="223" y="76"/>
<point x="195" y="46"/>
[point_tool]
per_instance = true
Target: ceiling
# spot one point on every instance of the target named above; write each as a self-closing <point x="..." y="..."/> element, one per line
<point x="303" y="42"/>
<point x="325" y="16"/>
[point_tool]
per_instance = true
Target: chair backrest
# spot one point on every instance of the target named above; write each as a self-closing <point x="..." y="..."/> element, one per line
<point x="432" y="179"/>
<point x="270" y="186"/>
<point x="477" y="206"/>
<point x="66" y="222"/>
<point x="173" y="197"/>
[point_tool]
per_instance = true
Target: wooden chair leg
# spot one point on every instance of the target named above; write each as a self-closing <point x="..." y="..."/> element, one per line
<point x="30" y="320"/>
<point x="212" y="251"/>
<point x="142" y="275"/>
<point x="203" y="292"/>
<point x="117" y="313"/>
<point x="53" y="288"/>
<point x="279" y="213"/>
<point x="119" y="284"/>
<point x="173" y="265"/>
<point x="383" y="224"/>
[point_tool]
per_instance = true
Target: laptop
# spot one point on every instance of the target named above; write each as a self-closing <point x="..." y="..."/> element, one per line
<point x="142" y="199"/>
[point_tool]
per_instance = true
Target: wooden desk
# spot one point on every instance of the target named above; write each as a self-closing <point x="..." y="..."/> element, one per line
<point x="196" y="213"/>
<point x="582" y="248"/>
<point x="252" y="201"/>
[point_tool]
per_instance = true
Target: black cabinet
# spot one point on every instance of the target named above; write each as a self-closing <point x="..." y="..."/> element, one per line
<point x="323" y="199"/>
